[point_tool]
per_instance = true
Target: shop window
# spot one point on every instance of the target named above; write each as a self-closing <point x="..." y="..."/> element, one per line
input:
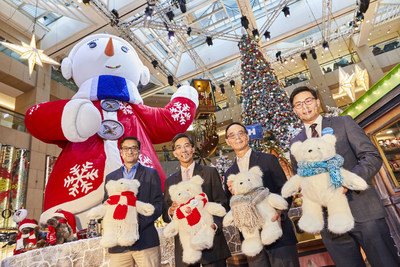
<point x="389" y="143"/>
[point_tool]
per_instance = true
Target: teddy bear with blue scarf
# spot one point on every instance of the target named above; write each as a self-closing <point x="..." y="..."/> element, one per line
<point x="320" y="176"/>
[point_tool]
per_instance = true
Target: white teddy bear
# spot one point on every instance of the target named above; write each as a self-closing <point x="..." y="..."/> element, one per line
<point x="252" y="208"/>
<point x="193" y="218"/>
<point x="320" y="176"/>
<point x="119" y="213"/>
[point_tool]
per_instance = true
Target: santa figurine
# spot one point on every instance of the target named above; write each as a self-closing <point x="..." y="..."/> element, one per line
<point x="28" y="234"/>
<point x="106" y="108"/>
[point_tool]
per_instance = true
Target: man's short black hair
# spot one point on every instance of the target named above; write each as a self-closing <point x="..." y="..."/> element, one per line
<point x="179" y="136"/>
<point x="235" y="123"/>
<point x="302" y="89"/>
<point x="129" y="138"/>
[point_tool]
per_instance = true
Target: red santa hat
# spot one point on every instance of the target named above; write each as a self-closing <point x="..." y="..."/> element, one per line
<point x="70" y="217"/>
<point x="27" y="223"/>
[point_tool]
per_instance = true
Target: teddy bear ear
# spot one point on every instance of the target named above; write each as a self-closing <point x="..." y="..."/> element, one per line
<point x="295" y="149"/>
<point x="66" y="68"/>
<point x="330" y="138"/>
<point x="197" y="180"/>
<point x="231" y="177"/>
<point x="172" y="190"/>
<point x="135" y="182"/>
<point x="145" y="76"/>
<point x="109" y="185"/>
<point x="256" y="170"/>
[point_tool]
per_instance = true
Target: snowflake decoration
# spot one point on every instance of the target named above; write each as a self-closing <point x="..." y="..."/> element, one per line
<point x="333" y="111"/>
<point x="80" y="178"/>
<point x="145" y="161"/>
<point x="126" y="108"/>
<point x="180" y="112"/>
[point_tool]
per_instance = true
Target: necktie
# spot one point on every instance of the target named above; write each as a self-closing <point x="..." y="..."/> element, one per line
<point x="186" y="175"/>
<point x="314" y="132"/>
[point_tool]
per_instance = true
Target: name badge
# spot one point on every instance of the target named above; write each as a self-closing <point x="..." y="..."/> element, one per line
<point x="327" y="130"/>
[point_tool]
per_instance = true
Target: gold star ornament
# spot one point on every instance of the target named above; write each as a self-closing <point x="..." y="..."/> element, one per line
<point x="31" y="53"/>
<point x="362" y="78"/>
<point x="347" y="84"/>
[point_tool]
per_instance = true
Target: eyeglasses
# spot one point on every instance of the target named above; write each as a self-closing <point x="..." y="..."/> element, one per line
<point x="132" y="148"/>
<point x="236" y="135"/>
<point x="307" y="102"/>
<point x="186" y="146"/>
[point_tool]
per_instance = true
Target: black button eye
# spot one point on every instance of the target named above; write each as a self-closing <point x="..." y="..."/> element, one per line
<point x="124" y="49"/>
<point x="92" y="44"/>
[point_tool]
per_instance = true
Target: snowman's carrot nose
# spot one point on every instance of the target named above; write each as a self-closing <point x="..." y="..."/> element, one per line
<point x="109" y="51"/>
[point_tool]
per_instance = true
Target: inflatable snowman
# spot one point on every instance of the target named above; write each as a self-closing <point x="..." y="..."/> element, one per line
<point x="106" y="108"/>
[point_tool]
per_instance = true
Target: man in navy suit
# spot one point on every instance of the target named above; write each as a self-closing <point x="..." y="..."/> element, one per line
<point x="283" y="252"/>
<point x="361" y="157"/>
<point x="183" y="149"/>
<point x="146" y="251"/>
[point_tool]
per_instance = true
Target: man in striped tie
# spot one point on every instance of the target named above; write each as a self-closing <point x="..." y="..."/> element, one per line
<point x="361" y="157"/>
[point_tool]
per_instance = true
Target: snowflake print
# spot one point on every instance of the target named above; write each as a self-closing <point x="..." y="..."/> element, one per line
<point x="80" y="178"/>
<point x="145" y="161"/>
<point x="126" y="108"/>
<point x="180" y="112"/>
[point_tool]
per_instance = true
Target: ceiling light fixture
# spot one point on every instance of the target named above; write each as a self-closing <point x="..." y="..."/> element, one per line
<point x="267" y="35"/>
<point x="303" y="56"/>
<point x="232" y="83"/>
<point x="245" y="22"/>
<point x="155" y="63"/>
<point x="313" y="54"/>
<point x="148" y="12"/>
<point x="171" y="35"/>
<point x="170" y="16"/>
<point x="222" y="87"/>
<point x="86" y="2"/>
<point x="209" y="41"/>
<point x="256" y="34"/>
<point x="189" y="31"/>
<point x="286" y="11"/>
<point x="170" y="80"/>
<point x="325" y="45"/>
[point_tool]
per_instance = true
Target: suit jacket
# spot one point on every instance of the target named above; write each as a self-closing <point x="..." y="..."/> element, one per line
<point x="212" y="187"/>
<point x="149" y="192"/>
<point x="273" y="178"/>
<point x="361" y="157"/>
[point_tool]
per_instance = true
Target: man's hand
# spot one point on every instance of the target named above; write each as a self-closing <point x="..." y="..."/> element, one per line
<point x="229" y="184"/>
<point x="172" y="209"/>
<point x="277" y="217"/>
<point x="345" y="189"/>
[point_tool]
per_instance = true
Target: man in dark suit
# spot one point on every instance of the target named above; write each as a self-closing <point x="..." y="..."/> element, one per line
<point x="361" y="157"/>
<point x="146" y="251"/>
<point x="283" y="252"/>
<point x="183" y="149"/>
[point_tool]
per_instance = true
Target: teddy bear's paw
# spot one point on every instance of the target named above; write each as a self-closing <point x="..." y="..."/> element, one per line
<point x="228" y="220"/>
<point x="126" y="241"/>
<point x="270" y="234"/>
<point x="96" y="213"/>
<point x="218" y="210"/>
<point x="202" y="241"/>
<point x="191" y="256"/>
<point x="108" y="242"/>
<point x="251" y="247"/>
<point x="311" y="224"/>
<point x="340" y="223"/>
<point x="148" y="209"/>
<point x="356" y="183"/>
<point x="170" y="231"/>
<point x="289" y="189"/>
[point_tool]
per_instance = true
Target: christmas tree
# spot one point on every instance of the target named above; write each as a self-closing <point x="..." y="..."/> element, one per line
<point x="265" y="101"/>
<point x="222" y="164"/>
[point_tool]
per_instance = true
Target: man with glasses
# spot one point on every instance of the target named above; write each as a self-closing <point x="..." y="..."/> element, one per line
<point x="361" y="157"/>
<point x="283" y="252"/>
<point x="146" y="251"/>
<point x="183" y="149"/>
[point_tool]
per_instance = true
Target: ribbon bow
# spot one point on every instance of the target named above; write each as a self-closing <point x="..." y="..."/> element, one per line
<point x="194" y="216"/>
<point x="121" y="210"/>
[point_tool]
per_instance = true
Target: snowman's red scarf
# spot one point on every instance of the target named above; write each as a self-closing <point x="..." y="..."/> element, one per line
<point x="121" y="210"/>
<point x="51" y="235"/>
<point x="194" y="216"/>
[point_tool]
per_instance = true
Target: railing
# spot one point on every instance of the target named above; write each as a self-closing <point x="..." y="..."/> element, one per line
<point x="385" y="46"/>
<point x="57" y="76"/>
<point x="12" y="54"/>
<point x="340" y="62"/>
<point x="295" y="78"/>
<point x="12" y="120"/>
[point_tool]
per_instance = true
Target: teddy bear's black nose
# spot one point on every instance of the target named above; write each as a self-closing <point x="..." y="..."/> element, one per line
<point x="310" y="150"/>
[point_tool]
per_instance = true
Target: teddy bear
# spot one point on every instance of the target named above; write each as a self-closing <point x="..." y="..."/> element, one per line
<point x="252" y="208"/>
<point x="60" y="231"/>
<point x="29" y="234"/>
<point x="120" y="213"/>
<point x="192" y="219"/>
<point x="106" y="108"/>
<point x="320" y="177"/>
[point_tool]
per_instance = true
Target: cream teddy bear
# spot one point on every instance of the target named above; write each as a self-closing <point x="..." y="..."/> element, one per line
<point x="320" y="176"/>
<point x="252" y="208"/>
<point x="119" y="213"/>
<point x="193" y="218"/>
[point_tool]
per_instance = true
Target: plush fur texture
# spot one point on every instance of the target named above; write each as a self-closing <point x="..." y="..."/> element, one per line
<point x="194" y="227"/>
<point x="64" y="232"/>
<point x="317" y="190"/>
<point x="253" y="242"/>
<point x="125" y="231"/>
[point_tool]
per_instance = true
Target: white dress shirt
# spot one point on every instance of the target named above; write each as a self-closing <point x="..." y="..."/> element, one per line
<point x="318" y="121"/>
<point x="243" y="162"/>
<point x="190" y="170"/>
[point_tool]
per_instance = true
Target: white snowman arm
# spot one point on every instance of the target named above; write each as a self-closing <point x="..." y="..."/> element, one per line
<point x="80" y="120"/>
<point x="187" y="92"/>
